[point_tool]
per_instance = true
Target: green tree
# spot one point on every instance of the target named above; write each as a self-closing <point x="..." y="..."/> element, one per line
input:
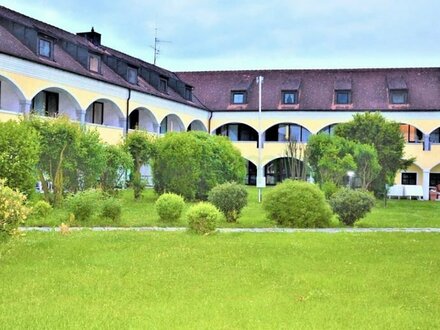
<point x="118" y="161"/>
<point x="192" y="163"/>
<point x="141" y="147"/>
<point x="385" y="136"/>
<point x="330" y="157"/>
<point x="296" y="160"/>
<point x="71" y="157"/>
<point x="367" y="162"/>
<point x="19" y="152"/>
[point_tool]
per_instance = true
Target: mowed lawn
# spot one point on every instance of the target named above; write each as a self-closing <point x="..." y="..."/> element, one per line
<point x="147" y="280"/>
<point x="397" y="213"/>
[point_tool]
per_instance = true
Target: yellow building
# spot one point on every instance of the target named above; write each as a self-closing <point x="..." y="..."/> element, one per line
<point x="50" y="72"/>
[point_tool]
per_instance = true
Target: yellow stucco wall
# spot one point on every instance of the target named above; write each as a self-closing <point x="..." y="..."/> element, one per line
<point x="5" y="116"/>
<point x="411" y="169"/>
<point x="29" y="86"/>
<point x="110" y="135"/>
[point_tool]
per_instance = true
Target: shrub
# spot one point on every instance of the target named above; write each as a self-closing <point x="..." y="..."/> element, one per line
<point x="297" y="204"/>
<point x="229" y="198"/>
<point x="190" y="164"/>
<point x="169" y="206"/>
<point x="203" y="217"/>
<point x="329" y="188"/>
<point x="112" y="209"/>
<point x="85" y="204"/>
<point x="351" y="205"/>
<point x="19" y="153"/>
<point x="41" y="209"/>
<point x="13" y="210"/>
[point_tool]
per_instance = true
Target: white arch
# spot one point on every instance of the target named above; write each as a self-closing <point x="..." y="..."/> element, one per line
<point x="232" y="123"/>
<point x="289" y="123"/>
<point x="320" y="131"/>
<point x="15" y="87"/>
<point x="63" y="92"/>
<point x="277" y="157"/>
<point x="147" y="119"/>
<point x="198" y="126"/>
<point x="114" y="117"/>
<point x="171" y="123"/>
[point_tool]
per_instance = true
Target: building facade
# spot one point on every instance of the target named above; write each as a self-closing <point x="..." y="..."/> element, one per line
<point x="51" y="72"/>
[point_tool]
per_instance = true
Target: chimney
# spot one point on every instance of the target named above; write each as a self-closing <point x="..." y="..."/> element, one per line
<point x="92" y="36"/>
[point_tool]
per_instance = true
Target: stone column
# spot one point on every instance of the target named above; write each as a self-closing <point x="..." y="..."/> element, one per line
<point x="426" y="142"/>
<point x="426" y="173"/>
<point x="25" y="107"/>
<point x="81" y="116"/>
<point x="122" y="123"/>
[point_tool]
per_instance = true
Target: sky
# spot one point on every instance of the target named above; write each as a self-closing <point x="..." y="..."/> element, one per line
<point x="202" y="35"/>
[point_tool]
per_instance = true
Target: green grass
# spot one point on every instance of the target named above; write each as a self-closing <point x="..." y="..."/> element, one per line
<point x="128" y="280"/>
<point x="403" y="214"/>
<point x="397" y="213"/>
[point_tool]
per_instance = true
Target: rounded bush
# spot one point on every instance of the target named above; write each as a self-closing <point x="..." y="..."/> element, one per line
<point x="13" y="210"/>
<point x="85" y="204"/>
<point x="229" y="198"/>
<point x="169" y="206"/>
<point x="112" y="209"/>
<point x="297" y="204"/>
<point x="41" y="209"/>
<point x="329" y="188"/>
<point x="351" y="205"/>
<point x="203" y="217"/>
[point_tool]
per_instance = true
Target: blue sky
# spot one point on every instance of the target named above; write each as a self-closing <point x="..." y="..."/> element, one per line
<point x="254" y="34"/>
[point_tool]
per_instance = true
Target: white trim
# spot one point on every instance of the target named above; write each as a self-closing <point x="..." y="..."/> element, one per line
<point x="59" y="77"/>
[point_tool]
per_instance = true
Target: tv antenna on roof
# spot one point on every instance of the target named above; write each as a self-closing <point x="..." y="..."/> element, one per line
<point x="157" y="43"/>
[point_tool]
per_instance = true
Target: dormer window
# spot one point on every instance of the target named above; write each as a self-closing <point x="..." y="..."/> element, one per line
<point x="399" y="96"/>
<point x="163" y="85"/>
<point x="132" y="75"/>
<point x="343" y="97"/>
<point x="45" y="47"/>
<point x="188" y="93"/>
<point x="289" y="97"/>
<point x="238" y="97"/>
<point x="94" y="63"/>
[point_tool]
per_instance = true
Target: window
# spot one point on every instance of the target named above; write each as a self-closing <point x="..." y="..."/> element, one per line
<point x="164" y="126"/>
<point x="238" y="97"/>
<point x="45" y="47"/>
<point x="163" y="85"/>
<point x="343" y="97"/>
<point x="409" y="178"/>
<point x="98" y="113"/>
<point x="46" y="104"/>
<point x="132" y="75"/>
<point x="289" y="97"/>
<point x="399" y="96"/>
<point x="287" y="132"/>
<point x="434" y="179"/>
<point x="434" y="137"/>
<point x="188" y="93"/>
<point x="94" y="63"/>
<point x="411" y="134"/>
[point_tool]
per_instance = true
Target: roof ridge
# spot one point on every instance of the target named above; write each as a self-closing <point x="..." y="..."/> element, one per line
<point x="309" y="70"/>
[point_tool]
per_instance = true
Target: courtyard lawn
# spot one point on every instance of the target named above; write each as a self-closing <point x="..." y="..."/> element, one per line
<point x="141" y="280"/>
<point x="397" y="213"/>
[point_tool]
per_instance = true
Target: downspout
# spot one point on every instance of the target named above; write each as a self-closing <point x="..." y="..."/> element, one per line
<point x="209" y="121"/>
<point x="127" y="111"/>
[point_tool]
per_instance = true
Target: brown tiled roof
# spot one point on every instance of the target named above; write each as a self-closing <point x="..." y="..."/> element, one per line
<point x="369" y="88"/>
<point x="62" y="60"/>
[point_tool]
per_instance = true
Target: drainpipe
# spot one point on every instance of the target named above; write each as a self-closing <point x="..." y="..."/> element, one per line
<point x="209" y="122"/>
<point x="127" y="110"/>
